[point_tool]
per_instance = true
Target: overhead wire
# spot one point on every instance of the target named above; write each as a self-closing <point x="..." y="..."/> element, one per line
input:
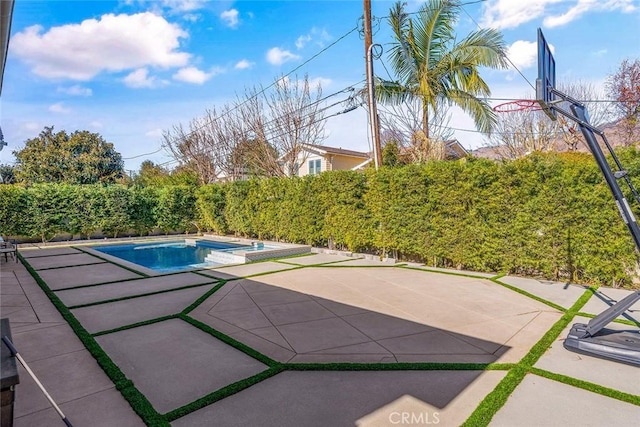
<point x="264" y="89"/>
<point x="271" y="133"/>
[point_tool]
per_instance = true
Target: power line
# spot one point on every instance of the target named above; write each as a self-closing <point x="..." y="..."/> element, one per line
<point x="142" y="155"/>
<point x="508" y="59"/>
<point x="270" y="133"/>
<point x="255" y="95"/>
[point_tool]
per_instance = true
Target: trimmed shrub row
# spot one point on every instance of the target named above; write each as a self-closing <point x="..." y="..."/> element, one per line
<point x="547" y="214"/>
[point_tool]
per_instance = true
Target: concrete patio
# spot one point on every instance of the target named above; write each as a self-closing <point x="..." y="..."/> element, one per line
<point x="274" y="344"/>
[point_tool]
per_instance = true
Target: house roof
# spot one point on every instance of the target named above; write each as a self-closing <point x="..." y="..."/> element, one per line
<point x="6" y="13"/>
<point x="454" y="149"/>
<point x="323" y="149"/>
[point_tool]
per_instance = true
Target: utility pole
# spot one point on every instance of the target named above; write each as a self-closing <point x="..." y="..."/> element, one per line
<point x="373" y="112"/>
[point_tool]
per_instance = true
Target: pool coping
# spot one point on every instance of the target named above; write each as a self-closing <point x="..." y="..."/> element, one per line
<point x="285" y="250"/>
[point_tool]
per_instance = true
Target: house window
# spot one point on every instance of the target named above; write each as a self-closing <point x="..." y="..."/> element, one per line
<point x="315" y="167"/>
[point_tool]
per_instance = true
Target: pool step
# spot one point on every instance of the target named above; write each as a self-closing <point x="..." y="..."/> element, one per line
<point x="225" y="258"/>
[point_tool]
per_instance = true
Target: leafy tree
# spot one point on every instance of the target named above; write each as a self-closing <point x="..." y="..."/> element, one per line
<point x="432" y="64"/>
<point x="151" y="174"/>
<point x="80" y="158"/>
<point x="7" y="174"/>
<point x="624" y="87"/>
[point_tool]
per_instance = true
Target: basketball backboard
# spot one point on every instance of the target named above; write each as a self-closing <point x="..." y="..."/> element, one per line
<point x="546" y="76"/>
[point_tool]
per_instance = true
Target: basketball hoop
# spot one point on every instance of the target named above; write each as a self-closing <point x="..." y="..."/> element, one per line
<point x="518" y="105"/>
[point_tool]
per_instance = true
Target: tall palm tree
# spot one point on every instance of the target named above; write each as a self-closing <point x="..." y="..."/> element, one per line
<point x="433" y="66"/>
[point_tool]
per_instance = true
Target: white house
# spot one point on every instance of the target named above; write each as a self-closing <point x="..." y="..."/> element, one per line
<point x="314" y="159"/>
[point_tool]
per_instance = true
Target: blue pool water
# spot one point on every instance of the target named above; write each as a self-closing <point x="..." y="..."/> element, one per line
<point x="171" y="256"/>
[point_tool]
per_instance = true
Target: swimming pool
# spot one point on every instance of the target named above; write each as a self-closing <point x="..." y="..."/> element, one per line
<point x="188" y="254"/>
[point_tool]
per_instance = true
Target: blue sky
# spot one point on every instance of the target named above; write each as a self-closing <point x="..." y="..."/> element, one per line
<point x="130" y="69"/>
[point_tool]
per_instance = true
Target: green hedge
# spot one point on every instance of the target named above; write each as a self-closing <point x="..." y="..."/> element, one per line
<point x="547" y="214"/>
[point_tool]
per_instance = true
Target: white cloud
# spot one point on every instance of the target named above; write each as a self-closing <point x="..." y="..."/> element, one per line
<point x="243" y="64"/>
<point x="173" y="6"/>
<point x="319" y="36"/>
<point x="302" y="41"/>
<point x="584" y="6"/>
<point x="59" y="108"/>
<point x="196" y="76"/>
<point x="184" y="5"/>
<point x="230" y="18"/>
<point x="96" y="125"/>
<point x="523" y="54"/>
<point x="140" y="78"/>
<point x="154" y="133"/>
<point x="504" y="14"/>
<point x="321" y="81"/>
<point x="277" y="56"/>
<point x="76" y="90"/>
<point x="192" y="17"/>
<point x="600" y="52"/>
<point x="110" y="44"/>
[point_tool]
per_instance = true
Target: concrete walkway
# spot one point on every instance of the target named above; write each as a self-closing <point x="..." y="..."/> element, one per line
<point x="322" y="308"/>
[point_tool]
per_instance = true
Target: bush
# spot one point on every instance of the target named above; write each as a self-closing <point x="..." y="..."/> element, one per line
<point x="550" y="215"/>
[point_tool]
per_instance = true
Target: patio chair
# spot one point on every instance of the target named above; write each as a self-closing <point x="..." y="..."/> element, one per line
<point x="8" y="248"/>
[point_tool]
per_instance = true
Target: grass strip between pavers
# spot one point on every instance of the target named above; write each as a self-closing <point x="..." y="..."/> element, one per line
<point x="398" y="366"/>
<point x="60" y="267"/>
<point x="316" y="265"/>
<point x="111" y="262"/>
<point x="495" y="279"/>
<point x="230" y="341"/>
<point x="586" y="385"/>
<point x="110" y="282"/>
<point x="136" y="325"/>
<point x="332" y="265"/>
<point x="450" y="273"/>
<point x="203" y="298"/>
<point x="528" y="294"/>
<point x="221" y="394"/>
<point x="496" y="399"/>
<point x="137" y="400"/>
<point x="628" y="322"/>
<point x="128" y="297"/>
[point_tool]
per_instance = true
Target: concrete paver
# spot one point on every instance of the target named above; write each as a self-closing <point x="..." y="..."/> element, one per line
<point x="314" y="314"/>
<point x="63" y="250"/>
<point x="173" y="363"/>
<point x="47" y="342"/>
<point x="92" y="294"/>
<point x="40" y="263"/>
<point x="318" y="259"/>
<point x="588" y="368"/>
<point x="112" y="315"/>
<point x="317" y="309"/>
<point x="102" y="409"/>
<point x="66" y="377"/>
<point x="71" y="277"/>
<point x="366" y="262"/>
<point x="542" y="402"/>
<point x="244" y="270"/>
<point x="349" y="398"/>
<point x="303" y="325"/>
<point x="454" y="271"/>
<point x="59" y="360"/>
<point x="605" y="298"/>
<point x="563" y="294"/>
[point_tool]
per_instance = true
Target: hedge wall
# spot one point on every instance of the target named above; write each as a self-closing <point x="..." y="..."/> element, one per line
<point x="550" y="215"/>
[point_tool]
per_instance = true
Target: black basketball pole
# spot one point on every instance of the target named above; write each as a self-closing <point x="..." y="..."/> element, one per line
<point x="623" y="206"/>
